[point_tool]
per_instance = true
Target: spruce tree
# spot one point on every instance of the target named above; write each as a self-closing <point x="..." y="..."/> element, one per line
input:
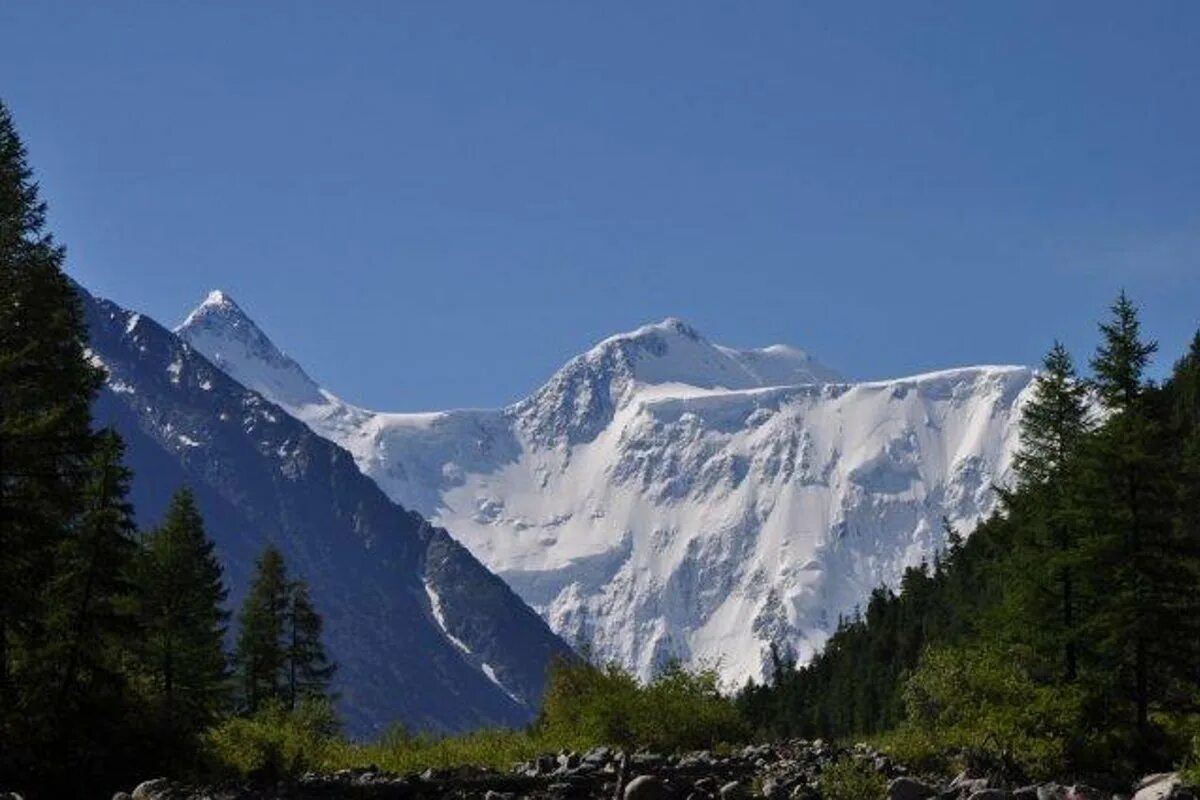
<point x="261" y="652"/>
<point x="1053" y="424"/>
<point x="1122" y="357"/>
<point x="91" y="628"/>
<point x="46" y="388"/>
<point x="309" y="670"/>
<point x="183" y="622"/>
<point x="1133" y="553"/>
<point x="92" y="623"/>
<point x="1184" y="433"/>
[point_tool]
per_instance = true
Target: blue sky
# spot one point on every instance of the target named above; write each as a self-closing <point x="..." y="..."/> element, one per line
<point x="435" y="204"/>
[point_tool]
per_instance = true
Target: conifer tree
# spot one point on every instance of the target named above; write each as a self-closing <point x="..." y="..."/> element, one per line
<point x="91" y="619"/>
<point x="46" y="388"/>
<point x="309" y="670"/>
<point x="91" y="629"/>
<point x="1053" y="424"/>
<point x="1122" y="357"/>
<point x="183" y="621"/>
<point x="1138" y="579"/>
<point x="1184" y="433"/>
<point x="261" y="653"/>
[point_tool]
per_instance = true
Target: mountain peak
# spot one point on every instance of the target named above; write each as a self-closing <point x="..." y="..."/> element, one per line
<point x="224" y="334"/>
<point x="219" y="304"/>
<point x="218" y="298"/>
<point x="580" y="399"/>
<point x="673" y="351"/>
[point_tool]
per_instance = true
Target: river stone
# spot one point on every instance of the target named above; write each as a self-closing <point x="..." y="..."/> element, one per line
<point x="733" y="790"/>
<point x="905" y="788"/>
<point x="1156" y="787"/>
<point x="646" y="787"/>
<point x="151" y="790"/>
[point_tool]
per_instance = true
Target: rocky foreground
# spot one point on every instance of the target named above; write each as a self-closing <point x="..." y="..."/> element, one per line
<point x="781" y="771"/>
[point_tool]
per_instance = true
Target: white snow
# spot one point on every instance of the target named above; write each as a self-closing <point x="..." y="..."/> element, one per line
<point x="435" y="606"/>
<point x="491" y="676"/>
<point x="661" y="496"/>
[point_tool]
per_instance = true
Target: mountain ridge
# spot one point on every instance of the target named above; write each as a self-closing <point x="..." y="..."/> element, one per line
<point x="659" y="498"/>
<point x="476" y="657"/>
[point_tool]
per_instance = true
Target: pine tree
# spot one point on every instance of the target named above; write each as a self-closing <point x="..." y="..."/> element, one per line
<point x="261" y="654"/>
<point x="184" y="622"/>
<point x="1053" y="424"/>
<point x="309" y="670"/>
<point x="46" y="388"/>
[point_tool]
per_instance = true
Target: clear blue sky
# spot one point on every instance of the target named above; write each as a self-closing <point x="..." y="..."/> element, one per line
<point x="435" y="204"/>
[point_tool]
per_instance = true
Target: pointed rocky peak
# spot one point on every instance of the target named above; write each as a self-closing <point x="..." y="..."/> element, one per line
<point x="218" y="306"/>
<point x="224" y="334"/>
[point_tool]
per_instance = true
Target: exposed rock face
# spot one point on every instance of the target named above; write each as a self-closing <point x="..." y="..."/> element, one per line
<point x="423" y="633"/>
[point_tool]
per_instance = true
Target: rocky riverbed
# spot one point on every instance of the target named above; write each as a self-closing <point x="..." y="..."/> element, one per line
<point x="779" y="771"/>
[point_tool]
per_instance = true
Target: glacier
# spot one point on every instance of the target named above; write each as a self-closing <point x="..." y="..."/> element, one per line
<point x="664" y="497"/>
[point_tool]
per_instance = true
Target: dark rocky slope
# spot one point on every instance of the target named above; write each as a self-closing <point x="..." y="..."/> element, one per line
<point x="423" y="633"/>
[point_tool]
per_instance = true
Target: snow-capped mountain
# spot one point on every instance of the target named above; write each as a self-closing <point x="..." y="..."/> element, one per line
<point x="663" y="496"/>
<point x="423" y="633"/>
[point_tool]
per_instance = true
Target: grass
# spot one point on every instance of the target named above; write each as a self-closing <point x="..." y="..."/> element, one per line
<point x="585" y="705"/>
<point x="403" y="754"/>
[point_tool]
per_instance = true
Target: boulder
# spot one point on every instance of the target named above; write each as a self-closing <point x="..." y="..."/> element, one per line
<point x="774" y="789"/>
<point x="156" y="789"/>
<point x="646" y="787"/>
<point x="1157" y="787"/>
<point x="598" y="755"/>
<point x="734" y="790"/>
<point x="905" y="788"/>
<point x="989" y="794"/>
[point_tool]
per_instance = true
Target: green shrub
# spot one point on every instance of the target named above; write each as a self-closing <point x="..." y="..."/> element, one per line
<point x="275" y="743"/>
<point x="685" y="710"/>
<point x="1189" y="770"/>
<point x="586" y="704"/>
<point x="851" y="779"/>
<point x="982" y="703"/>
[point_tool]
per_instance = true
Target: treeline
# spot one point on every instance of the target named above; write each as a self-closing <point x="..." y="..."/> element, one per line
<point x="1064" y="633"/>
<point x="113" y="659"/>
